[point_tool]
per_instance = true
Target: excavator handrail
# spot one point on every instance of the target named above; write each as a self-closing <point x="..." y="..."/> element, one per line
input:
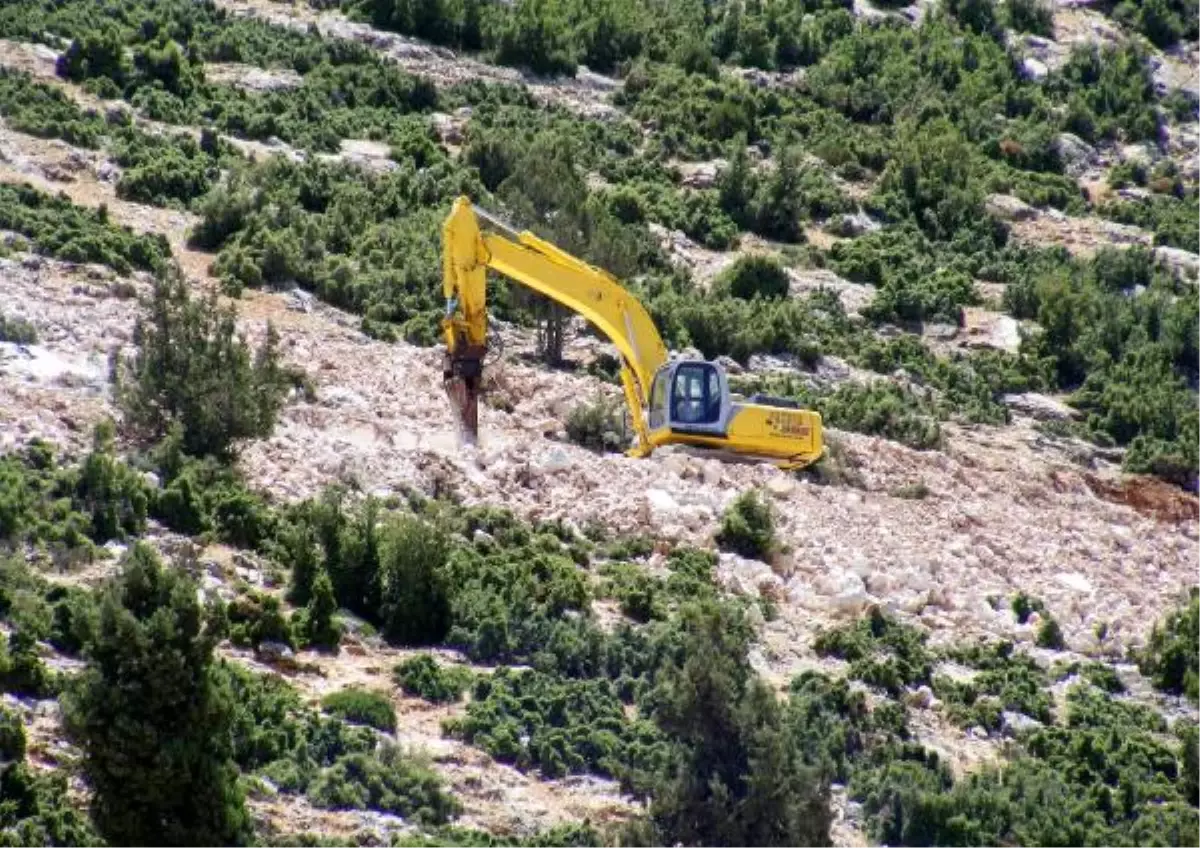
<point x="595" y="294"/>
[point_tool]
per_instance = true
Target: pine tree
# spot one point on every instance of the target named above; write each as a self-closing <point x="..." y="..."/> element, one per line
<point x="414" y="608"/>
<point x="193" y="368"/>
<point x="301" y="547"/>
<point x="737" y="776"/>
<point x="322" y="630"/>
<point x="150" y="718"/>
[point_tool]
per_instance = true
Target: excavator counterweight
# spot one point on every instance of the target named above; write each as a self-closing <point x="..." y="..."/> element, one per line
<point x="684" y="402"/>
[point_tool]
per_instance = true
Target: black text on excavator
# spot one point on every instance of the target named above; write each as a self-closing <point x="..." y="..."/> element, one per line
<point x="681" y="402"/>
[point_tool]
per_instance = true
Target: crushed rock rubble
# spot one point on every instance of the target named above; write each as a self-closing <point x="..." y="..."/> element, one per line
<point x="1003" y="514"/>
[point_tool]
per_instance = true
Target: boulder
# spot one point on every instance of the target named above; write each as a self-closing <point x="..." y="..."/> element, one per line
<point x="661" y="508"/>
<point x="1012" y="723"/>
<point x="1075" y="580"/>
<point x="448" y="128"/>
<point x="701" y="175"/>
<point x="781" y="486"/>
<point x="1033" y="69"/>
<point x="1181" y="262"/>
<point x="1009" y="208"/>
<point x="1144" y="154"/>
<point x="1077" y="155"/>
<point x="275" y="652"/>
<point x="857" y="224"/>
<point x="730" y="365"/>
<point x="552" y="462"/>
<point x="1040" y="407"/>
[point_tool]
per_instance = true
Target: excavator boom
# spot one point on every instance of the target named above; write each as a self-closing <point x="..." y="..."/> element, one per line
<point x="584" y="289"/>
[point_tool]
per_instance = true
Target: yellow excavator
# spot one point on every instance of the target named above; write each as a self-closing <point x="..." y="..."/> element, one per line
<point x="680" y="402"/>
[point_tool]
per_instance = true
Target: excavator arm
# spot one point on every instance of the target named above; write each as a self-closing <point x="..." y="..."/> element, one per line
<point x="468" y="253"/>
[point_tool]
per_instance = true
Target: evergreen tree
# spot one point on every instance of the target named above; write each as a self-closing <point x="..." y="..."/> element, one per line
<point x="299" y="542"/>
<point x="193" y="368"/>
<point x="415" y="608"/>
<point x="321" y="629"/>
<point x="738" y="776"/>
<point x="153" y="723"/>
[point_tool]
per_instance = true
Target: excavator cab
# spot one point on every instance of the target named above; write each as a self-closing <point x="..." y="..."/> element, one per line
<point x="689" y="397"/>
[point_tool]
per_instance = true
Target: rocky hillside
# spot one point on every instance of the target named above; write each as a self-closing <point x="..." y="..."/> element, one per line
<point x="972" y="236"/>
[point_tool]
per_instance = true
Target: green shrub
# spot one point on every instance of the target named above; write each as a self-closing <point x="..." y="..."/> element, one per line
<point x="60" y="229"/>
<point x="46" y="112"/>
<point x="881" y="651"/>
<point x="362" y="706"/>
<point x="110" y="492"/>
<point x="641" y="596"/>
<point x="318" y="627"/>
<point x="755" y="276"/>
<point x="508" y="605"/>
<point x="390" y="782"/>
<point x="12" y="736"/>
<point x="17" y="330"/>
<point x="22" y="671"/>
<point x="1024" y="606"/>
<point x="597" y="425"/>
<point x="748" y="526"/>
<point x="558" y="726"/>
<point x="1006" y="681"/>
<point x="38" y="810"/>
<point x="1049" y="635"/>
<point x="1035" y="16"/>
<point x="1164" y="22"/>
<point x="426" y="678"/>
<point x="255" y="618"/>
<point x="1170" y="658"/>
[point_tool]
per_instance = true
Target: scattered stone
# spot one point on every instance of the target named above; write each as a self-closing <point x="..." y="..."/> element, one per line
<point x="985" y="328"/>
<point x="661" y="508"/>
<point x="782" y="486"/>
<point x="253" y="79"/>
<point x="299" y="300"/>
<point x="853" y="296"/>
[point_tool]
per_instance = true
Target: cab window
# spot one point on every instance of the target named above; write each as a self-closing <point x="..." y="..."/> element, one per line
<point x="695" y="395"/>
